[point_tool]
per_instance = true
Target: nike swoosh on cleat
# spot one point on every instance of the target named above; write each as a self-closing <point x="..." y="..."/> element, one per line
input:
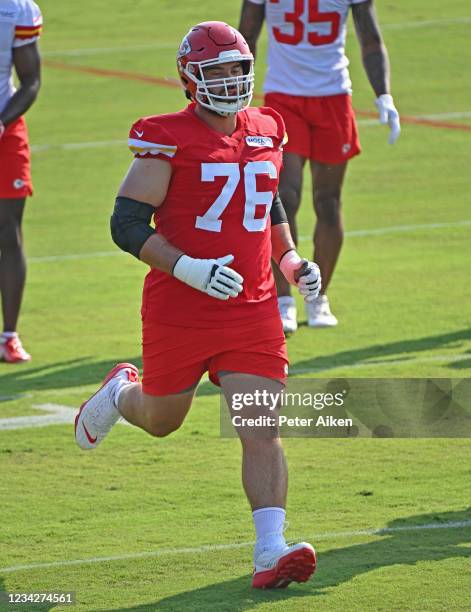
<point x="89" y="437"/>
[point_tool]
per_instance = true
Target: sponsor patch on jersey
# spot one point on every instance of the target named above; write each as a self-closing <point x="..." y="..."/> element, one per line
<point x="259" y="141"/>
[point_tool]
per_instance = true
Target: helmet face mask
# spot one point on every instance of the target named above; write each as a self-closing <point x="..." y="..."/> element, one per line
<point x="211" y="45"/>
<point x="225" y="95"/>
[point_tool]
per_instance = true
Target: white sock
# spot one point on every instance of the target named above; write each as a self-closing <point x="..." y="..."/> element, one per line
<point x="7" y="335"/>
<point x="120" y="385"/>
<point x="269" y="524"/>
<point x="108" y="418"/>
<point x="286" y="299"/>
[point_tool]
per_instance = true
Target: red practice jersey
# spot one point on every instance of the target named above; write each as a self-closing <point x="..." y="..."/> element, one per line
<point x="218" y="203"/>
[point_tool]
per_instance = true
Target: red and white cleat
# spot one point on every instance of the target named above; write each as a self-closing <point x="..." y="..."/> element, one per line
<point x="98" y="414"/>
<point x="12" y="351"/>
<point x="276" y="569"/>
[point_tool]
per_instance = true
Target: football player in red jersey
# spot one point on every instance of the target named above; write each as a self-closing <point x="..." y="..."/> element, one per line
<point x="20" y="28"/>
<point x="208" y="175"/>
<point x="307" y="81"/>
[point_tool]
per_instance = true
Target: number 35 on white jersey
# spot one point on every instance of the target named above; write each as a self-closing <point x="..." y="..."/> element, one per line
<point x="306" y="55"/>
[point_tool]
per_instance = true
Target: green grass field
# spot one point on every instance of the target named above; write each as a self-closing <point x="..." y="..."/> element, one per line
<point x="146" y="524"/>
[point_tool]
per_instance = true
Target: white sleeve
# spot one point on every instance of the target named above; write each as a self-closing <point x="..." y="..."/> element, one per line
<point x="257" y="1"/>
<point x="28" y="24"/>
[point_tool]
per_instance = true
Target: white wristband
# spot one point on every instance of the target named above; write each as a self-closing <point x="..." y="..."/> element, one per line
<point x="192" y="271"/>
<point x="289" y="263"/>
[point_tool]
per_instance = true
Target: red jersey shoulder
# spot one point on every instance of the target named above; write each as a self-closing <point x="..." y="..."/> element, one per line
<point x="266" y="121"/>
<point x="157" y="136"/>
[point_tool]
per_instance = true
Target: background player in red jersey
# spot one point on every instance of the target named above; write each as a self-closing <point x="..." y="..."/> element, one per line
<point x="20" y="28"/>
<point x="308" y="83"/>
<point x="209" y="175"/>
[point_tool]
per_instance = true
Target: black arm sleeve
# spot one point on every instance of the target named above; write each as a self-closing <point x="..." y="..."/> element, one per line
<point x="277" y="212"/>
<point x="130" y="224"/>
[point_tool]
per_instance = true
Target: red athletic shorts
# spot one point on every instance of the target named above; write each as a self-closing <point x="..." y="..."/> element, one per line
<point x="15" y="173"/>
<point x="319" y="128"/>
<point x="175" y="358"/>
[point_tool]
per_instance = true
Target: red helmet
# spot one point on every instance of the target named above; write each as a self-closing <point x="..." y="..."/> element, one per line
<point x="208" y="44"/>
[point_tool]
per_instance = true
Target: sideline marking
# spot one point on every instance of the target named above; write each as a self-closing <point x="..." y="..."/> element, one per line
<point x="233" y="546"/>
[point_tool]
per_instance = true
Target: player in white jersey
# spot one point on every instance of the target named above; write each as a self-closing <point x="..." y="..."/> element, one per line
<point x="308" y="83"/>
<point x="20" y="28"/>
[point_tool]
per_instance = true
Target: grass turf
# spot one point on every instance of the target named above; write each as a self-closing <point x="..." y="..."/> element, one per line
<point x="402" y="298"/>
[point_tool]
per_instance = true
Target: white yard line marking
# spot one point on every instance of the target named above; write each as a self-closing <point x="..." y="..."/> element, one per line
<point x="426" y="23"/>
<point x="379" y="231"/>
<point x="84" y="51"/>
<point x="74" y="146"/>
<point x="405" y="228"/>
<point x="57" y="414"/>
<point x="234" y="546"/>
<point x="75" y="256"/>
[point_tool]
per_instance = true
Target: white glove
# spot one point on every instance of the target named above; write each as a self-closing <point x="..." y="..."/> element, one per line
<point x="2" y="129"/>
<point x="304" y="274"/>
<point x="210" y="276"/>
<point x="388" y="115"/>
